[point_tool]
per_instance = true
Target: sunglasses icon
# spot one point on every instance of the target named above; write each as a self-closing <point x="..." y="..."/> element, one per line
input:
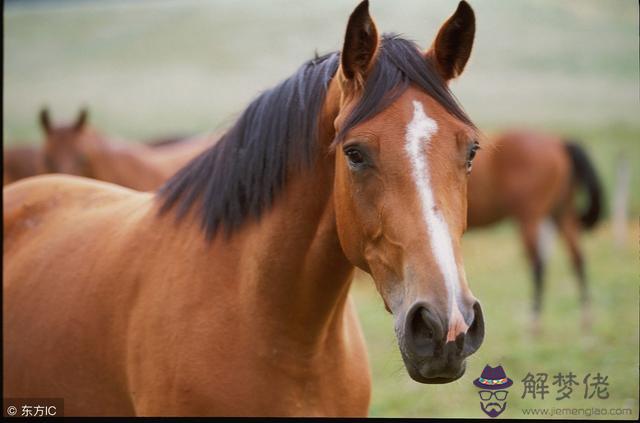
<point x="487" y="395"/>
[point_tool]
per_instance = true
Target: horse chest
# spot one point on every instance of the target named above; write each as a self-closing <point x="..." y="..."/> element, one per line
<point x="251" y="374"/>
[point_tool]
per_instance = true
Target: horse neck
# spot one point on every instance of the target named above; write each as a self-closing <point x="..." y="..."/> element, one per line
<point x="128" y="165"/>
<point x="299" y="257"/>
<point x="301" y="263"/>
<point x="174" y="156"/>
<point x="293" y="274"/>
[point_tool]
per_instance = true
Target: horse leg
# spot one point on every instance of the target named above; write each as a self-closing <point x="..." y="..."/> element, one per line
<point x="570" y="230"/>
<point x="530" y="229"/>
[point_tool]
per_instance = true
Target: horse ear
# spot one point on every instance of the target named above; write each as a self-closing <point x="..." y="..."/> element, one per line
<point x="82" y="119"/>
<point x="452" y="46"/>
<point x="360" y="45"/>
<point x="45" y="121"/>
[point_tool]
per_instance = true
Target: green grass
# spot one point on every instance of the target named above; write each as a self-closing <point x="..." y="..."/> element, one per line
<point x="151" y="68"/>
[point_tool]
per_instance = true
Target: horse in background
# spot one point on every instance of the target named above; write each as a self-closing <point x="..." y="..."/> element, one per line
<point x="227" y="292"/>
<point x="534" y="178"/>
<point x="21" y="162"/>
<point x="24" y="161"/>
<point x="79" y="149"/>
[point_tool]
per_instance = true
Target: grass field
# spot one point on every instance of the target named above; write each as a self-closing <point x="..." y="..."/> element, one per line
<point x="147" y="68"/>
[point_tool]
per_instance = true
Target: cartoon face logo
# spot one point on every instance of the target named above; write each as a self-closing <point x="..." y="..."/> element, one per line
<point x="493" y="384"/>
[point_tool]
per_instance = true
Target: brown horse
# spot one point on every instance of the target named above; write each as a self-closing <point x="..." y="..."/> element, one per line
<point x="533" y="178"/>
<point x="227" y="293"/>
<point x="21" y="162"/>
<point x="79" y="149"/>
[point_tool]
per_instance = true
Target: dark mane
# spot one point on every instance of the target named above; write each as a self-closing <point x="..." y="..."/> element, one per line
<point x="276" y="136"/>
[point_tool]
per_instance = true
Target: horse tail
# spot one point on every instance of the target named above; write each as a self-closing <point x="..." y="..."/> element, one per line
<point x="585" y="175"/>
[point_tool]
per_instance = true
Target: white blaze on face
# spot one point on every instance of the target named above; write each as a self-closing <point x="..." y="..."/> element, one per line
<point x="418" y="136"/>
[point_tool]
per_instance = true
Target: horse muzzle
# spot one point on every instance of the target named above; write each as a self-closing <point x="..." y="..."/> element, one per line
<point x="430" y="352"/>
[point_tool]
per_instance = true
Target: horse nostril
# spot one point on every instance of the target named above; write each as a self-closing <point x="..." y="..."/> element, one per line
<point x="421" y="328"/>
<point x="475" y="334"/>
<point x="425" y="331"/>
<point x="460" y="342"/>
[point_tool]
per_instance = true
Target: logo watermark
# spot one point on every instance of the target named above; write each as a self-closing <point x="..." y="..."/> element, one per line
<point x="542" y="386"/>
<point x="576" y="412"/>
<point x="33" y="407"/>
<point x="493" y="384"/>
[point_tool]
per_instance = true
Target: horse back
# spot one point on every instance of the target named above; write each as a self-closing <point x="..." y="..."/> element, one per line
<point x="521" y="173"/>
<point x="534" y="172"/>
<point x="35" y="204"/>
<point x="61" y="233"/>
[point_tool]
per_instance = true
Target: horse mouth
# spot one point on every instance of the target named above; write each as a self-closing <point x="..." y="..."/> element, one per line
<point x="427" y="375"/>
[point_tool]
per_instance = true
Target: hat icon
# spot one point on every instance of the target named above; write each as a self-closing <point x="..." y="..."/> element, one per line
<point x="493" y="378"/>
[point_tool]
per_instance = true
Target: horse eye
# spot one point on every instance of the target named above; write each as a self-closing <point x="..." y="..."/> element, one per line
<point x="471" y="154"/>
<point x="354" y="156"/>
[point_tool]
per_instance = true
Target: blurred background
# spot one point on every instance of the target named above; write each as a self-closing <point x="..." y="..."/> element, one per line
<point x="149" y="68"/>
